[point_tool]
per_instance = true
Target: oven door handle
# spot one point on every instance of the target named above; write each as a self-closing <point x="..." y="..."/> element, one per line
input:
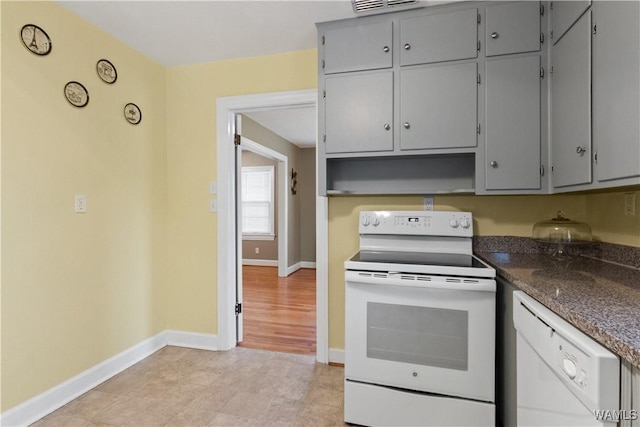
<point x="419" y="281"/>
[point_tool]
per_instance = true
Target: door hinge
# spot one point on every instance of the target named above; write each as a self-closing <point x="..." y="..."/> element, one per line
<point x="595" y="157"/>
<point x="479" y="19"/>
<point x="324" y="94"/>
<point x="323" y="64"/>
<point x="541" y="9"/>
<point x="236" y="139"/>
<point x="595" y="29"/>
<point x="478" y="81"/>
<point x="478" y="128"/>
<point x="323" y="40"/>
<point x="324" y="137"/>
<point x="551" y="34"/>
<point x="541" y="38"/>
<point x="551" y="70"/>
<point x="478" y="45"/>
<point x="238" y="308"/>
<point x="541" y="170"/>
<point x="551" y="5"/>
<point x="542" y="72"/>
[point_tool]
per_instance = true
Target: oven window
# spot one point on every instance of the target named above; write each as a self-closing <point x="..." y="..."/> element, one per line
<point x="419" y="335"/>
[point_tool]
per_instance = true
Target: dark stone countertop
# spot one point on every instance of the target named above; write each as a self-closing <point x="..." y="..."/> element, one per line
<point x="600" y="298"/>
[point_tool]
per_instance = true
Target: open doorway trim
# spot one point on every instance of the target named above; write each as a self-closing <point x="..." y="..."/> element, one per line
<point x="226" y="109"/>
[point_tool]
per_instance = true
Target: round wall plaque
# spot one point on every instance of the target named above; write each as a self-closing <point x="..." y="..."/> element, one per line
<point x="132" y="113"/>
<point x="107" y="71"/>
<point x="35" y="39"/>
<point x="76" y="94"/>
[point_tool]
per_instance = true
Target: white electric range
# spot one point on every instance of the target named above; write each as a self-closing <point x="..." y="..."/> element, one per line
<point x="419" y="323"/>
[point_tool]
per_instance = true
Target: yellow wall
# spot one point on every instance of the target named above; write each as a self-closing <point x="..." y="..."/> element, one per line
<point x="77" y="288"/>
<point x="192" y="92"/>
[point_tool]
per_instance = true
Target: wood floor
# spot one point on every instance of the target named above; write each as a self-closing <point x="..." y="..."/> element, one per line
<point x="279" y="312"/>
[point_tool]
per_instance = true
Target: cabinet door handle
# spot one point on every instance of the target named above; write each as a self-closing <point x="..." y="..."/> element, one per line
<point x="385" y="49"/>
<point x="580" y="150"/>
<point x="387" y="126"/>
<point x="407" y="46"/>
<point x="406" y="125"/>
<point x="494" y="164"/>
<point x="495" y="35"/>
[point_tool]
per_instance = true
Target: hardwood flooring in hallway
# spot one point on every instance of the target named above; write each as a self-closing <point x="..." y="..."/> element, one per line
<point x="279" y="312"/>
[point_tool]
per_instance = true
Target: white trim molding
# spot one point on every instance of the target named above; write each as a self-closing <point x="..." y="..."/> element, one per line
<point x="56" y="397"/>
<point x="43" y="404"/>
<point x="336" y="355"/>
<point x="307" y="264"/>
<point x="260" y="262"/>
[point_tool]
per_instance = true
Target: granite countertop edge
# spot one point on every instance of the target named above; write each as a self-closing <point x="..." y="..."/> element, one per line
<point x="615" y="333"/>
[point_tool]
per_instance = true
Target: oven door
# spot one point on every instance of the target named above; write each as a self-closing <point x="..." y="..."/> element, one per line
<point x="426" y="333"/>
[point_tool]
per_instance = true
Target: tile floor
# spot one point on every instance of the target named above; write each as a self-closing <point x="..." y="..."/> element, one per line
<point x="185" y="387"/>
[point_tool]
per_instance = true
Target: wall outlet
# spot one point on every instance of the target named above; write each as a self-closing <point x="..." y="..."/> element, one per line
<point x="428" y="203"/>
<point x="80" y="203"/>
<point x="630" y="204"/>
<point x="257" y="250"/>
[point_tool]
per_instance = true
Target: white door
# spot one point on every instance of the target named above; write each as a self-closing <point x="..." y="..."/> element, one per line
<point x="238" y="202"/>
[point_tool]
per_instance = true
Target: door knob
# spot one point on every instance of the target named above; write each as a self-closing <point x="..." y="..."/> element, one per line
<point x="495" y="35"/>
<point x="385" y="49"/>
<point x="407" y="46"/>
<point x="493" y="164"/>
<point x="406" y="125"/>
<point x="387" y="126"/>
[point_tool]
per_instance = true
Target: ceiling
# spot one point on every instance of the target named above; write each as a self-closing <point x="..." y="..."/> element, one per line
<point x="179" y="32"/>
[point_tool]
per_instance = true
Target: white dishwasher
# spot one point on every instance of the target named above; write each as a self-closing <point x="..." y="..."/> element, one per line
<point x="564" y="378"/>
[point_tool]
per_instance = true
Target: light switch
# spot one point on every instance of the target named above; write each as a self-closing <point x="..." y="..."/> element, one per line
<point x="80" y="203"/>
<point x="213" y="187"/>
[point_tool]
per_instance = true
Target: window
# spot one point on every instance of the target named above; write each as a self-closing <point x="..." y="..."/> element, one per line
<point x="258" y="202"/>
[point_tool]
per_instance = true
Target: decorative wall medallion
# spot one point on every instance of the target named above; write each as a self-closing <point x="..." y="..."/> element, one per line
<point x="35" y="39"/>
<point x="107" y="71"/>
<point x="132" y="113"/>
<point x="76" y="94"/>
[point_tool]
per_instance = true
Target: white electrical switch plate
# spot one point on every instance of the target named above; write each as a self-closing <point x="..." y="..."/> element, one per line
<point x="428" y="203"/>
<point x="213" y="205"/>
<point x="80" y="203"/>
<point x="630" y="204"/>
<point x="213" y="187"/>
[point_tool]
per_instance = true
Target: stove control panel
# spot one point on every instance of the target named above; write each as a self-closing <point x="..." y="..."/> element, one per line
<point x="431" y="223"/>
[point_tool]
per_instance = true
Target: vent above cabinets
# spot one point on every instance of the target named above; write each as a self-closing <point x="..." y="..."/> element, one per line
<point x="370" y="7"/>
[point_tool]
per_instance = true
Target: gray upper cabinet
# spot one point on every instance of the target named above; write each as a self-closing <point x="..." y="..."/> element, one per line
<point x="571" y="106"/>
<point x="512" y="28"/>
<point x="358" y="47"/>
<point x="438" y="106"/>
<point x="565" y="14"/>
<point x="439" y="37"/>
<point x="616" y="89"/>
<point x="359" y="112"/>
<point x="513" y="123"/>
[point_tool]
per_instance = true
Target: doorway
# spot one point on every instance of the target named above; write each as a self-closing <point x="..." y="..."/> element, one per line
<point x="228" y="249"/>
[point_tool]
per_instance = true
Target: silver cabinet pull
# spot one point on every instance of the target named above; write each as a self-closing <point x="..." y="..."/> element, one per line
<point x="387" y="126"/>
<point x="407" y="46"/>
<point x="495" y="35"/>
<point x="494" y="164"/>
<point x="580" y="150"/>
<point x="406" y="125"/>
<point x="385" y="49"/>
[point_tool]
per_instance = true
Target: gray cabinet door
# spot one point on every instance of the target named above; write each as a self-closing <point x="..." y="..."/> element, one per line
<point x="438" y="107"/>
<point x="359" y="47"/>
<point x="439" y="37"/>
<point x="512" y="28"/>
<point x="616" y="89"/>
<point x="564" y="14"/>
<point x="512" y="128"/>
<point x="359" y="113"/>
<point x="571" y="106"/>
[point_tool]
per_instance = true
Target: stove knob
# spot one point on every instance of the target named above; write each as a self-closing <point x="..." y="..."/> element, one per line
<point x="453" y="223"/>
<point x="365" y="221"/>
<point x="375" y="222"/>
<point x="569" y="367"/>
<point x="465" y="223"/>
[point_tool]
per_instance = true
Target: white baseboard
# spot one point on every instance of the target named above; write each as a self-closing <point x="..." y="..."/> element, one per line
<point x="39" y="406"/>
<point x="192" y="340"/>
<point x="293" y="268"/>
<point x="336" y="355"/>
<point x="260" y="262"/>
<point x="308" y="264"/>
